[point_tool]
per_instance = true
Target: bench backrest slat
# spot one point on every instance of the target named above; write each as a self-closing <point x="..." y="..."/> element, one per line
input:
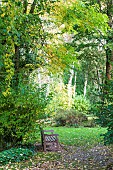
<point x="48" y="137"/>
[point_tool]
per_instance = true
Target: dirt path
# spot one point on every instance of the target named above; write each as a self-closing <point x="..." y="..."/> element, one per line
<point x="68" y="158"/>
<point x="97" y="158"/>
<point x="73" y="158"/>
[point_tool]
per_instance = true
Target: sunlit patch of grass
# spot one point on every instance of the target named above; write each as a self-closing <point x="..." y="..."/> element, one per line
<point x="80" y="136"/>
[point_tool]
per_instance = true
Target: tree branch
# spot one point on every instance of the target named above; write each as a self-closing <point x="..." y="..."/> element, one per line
<point x="25" y="4"/>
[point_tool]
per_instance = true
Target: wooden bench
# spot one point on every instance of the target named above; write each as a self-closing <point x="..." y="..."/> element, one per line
<point x="49" y="140"/>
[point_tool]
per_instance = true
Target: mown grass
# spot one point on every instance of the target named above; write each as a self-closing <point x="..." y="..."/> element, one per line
<point x="80" y="136"/>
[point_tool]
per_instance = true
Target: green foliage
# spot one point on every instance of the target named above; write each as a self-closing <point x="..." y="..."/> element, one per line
<point x="80" y="17"/>
<point x="81" y="104"/>
<point x="14" y="155"/>
<point x="60" y="99"/>
<point x="19" y="112"/>
<point x="105" y="112"/>
<point x="22" y="38"/>
<point x="60" y="118"/>
<point x="69" y="118"/>
<point x="89" y="123"/>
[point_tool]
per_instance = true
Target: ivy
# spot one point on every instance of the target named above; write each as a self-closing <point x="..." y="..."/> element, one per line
<point x="14" y="155"/>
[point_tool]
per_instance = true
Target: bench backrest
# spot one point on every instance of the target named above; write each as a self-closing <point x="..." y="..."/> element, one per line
<point x="48" y="137"/>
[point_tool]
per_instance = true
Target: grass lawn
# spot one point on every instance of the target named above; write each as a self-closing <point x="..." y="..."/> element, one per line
<point x="79" y="136"/>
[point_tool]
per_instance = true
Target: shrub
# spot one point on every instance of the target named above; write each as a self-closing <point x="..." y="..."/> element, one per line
<point x="105" y="112"/>
<point x="81" y="104"/>
<point x="18" y="114"/>
<point x="89" y="123"/>
<point x="105" y="119"/>
<point x="14" y="155"/>
<point x="60" y="118"/>
<point x="75" y="118"/>
<point x="69" y="118"/>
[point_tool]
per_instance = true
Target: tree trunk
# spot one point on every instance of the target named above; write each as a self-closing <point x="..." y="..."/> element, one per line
<point x="16" y="66"/>
<point x="99" y="80"/>
<point x="109" y="52"/>
<point x="85" y="85"/>
<point x="33" y="7"/>
<point x="25" y="4"/>
<point x="70" y="85"/>
<point x="108" y="66"/>
<point x="74" y="87"/>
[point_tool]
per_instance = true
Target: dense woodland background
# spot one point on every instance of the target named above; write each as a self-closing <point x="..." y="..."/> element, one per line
<point x="55" y="66"/>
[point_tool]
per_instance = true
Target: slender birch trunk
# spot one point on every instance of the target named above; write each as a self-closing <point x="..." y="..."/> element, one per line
<point x="85" y="85"/>
<point x="70" y="85"/>
<point x="74" y="87"/>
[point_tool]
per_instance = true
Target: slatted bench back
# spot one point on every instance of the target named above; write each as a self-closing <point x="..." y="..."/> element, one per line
<point x="49" y="140"/>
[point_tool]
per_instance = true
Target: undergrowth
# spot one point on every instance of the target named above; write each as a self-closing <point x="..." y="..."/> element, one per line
<point x="14" y="155"/>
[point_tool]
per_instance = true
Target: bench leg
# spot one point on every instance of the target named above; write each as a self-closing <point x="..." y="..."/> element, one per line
<point x="44" y="147"/>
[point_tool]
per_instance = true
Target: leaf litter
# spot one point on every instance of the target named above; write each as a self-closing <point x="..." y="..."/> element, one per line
<point x="99" y="157"/>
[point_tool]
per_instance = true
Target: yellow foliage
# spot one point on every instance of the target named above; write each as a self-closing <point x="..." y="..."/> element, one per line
<point x="7" y="92"/>
<point x="2" y="15"/>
